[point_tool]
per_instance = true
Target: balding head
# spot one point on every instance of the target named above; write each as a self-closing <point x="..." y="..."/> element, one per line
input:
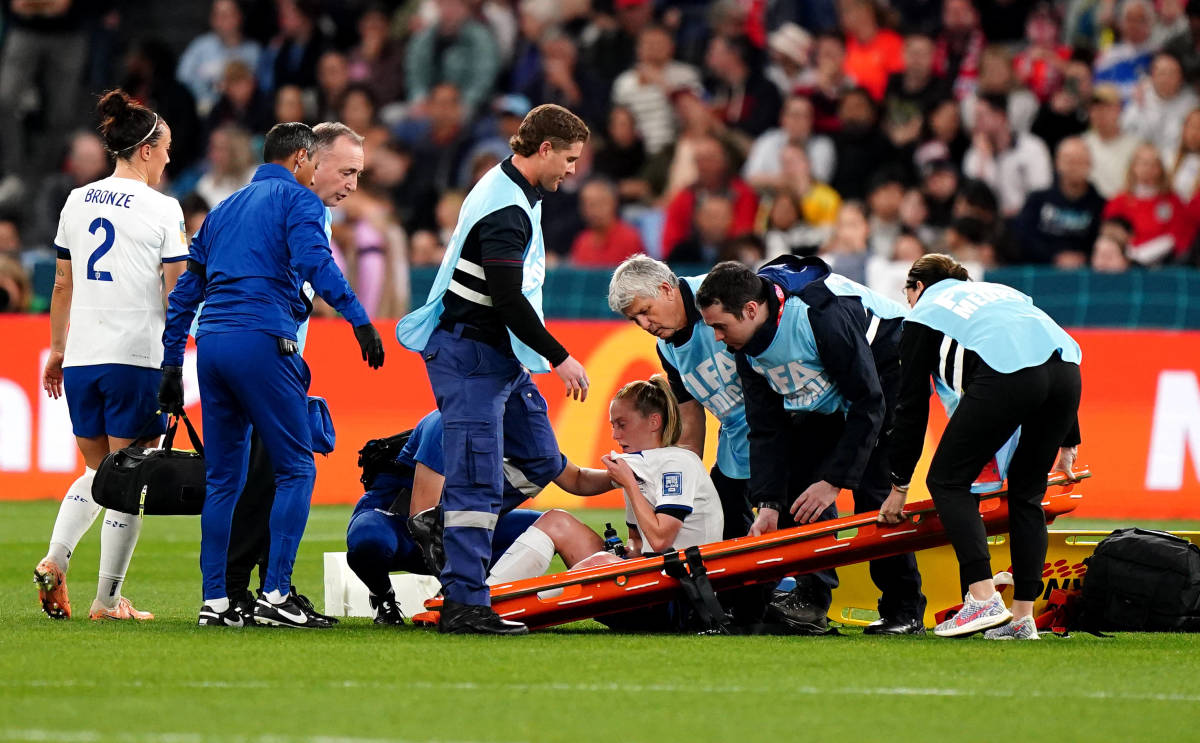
<point x="1073" y="162"/>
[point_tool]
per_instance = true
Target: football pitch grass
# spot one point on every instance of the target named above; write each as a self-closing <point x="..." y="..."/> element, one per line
<point x="171" y="682"/>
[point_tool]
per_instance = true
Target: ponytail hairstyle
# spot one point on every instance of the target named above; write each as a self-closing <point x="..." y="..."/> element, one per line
<point x="932" y="268"/>
<point x="651" y="396"/>
<point x="126" y="124"/>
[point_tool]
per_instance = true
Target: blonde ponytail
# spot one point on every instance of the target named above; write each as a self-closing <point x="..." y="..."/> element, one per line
<point x="655" y="396"/>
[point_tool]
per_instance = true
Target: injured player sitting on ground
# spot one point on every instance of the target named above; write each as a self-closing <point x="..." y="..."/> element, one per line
<point x="670" y="501"/>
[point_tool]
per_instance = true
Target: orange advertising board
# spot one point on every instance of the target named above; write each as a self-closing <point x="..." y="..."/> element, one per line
<point x="1140" y="416"/>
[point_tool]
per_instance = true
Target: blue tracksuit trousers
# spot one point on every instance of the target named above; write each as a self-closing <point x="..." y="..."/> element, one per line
<point x="245" y="381"/>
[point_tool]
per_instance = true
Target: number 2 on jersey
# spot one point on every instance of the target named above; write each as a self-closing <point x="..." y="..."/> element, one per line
<point x="110" y="234"/>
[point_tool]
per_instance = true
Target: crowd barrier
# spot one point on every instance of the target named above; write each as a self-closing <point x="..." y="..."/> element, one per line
<point x="1140" y="416"/>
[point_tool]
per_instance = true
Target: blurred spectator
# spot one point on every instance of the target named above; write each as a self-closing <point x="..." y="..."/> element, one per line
<point x="1185" y="162"/>
<point x="534" y="19"/>
<point x="860" y="148"/>
<point x="230" y="164"/>
<point x="16" y="290"/>
<point x="86" y="162"/>
<point x="375" y="252"/>
<point x="1004" y="20"/>
<point x="621" y="156"/>
<point x="563" y="81"/>
<point x="289" y="105"/>
<point x="1013" y="164"/>
<point x="442" y="149"/>
<point x="968" y="239"/>
<point x="939" y="186"/>
<point x="996" y="78"/>
<point x="884" y="197"/>
<point x="393" y="170"/>
<point x="457" y="50"/>
<point x="611" y="49"/>
<point x="764" y="167"/>
<point x="698" y="124"/>
<point x="790" y="48"/>
<point x="1171" y="23"/>
<point x="747" y="249"/>
<point x="205" y="61"/>
<point x="916" y="89"/>
<point x="888" y="274"/>
<point x="713" y="177"/>
<point x="1109" y="253"/>
<point x="743" y="98"/>
<point x="1040" y="66"/>
<point x="333" y="77"/>
<point x="1059" y="224"/>
<point x="291" y="57"/>
<point x="378" y="59"/>
<point x="1111" y="148"/>
<point x="959" y="46"/>
<point x="943" y="126"/>
<point x="800" y="215"/>
<point x="710" y="238"/>
<point x="1066" y="113"/>
<point x="827" y="84"/>
<point x="150" y="79"/>
<point x="1159" y="106"/>
<point x="872" y="53"/>
<point x="241" y="103"/>
<point x="607" y="240"/>
<point x="1162" y="231"/>
<point x="195" y="209"/>
<point x="358" y="109"/>
<point x="45" y="52"/>
<point x="1125" y="62"/>
<point x="495" y="131"/>
<point x="645" y="88"/>
<point x="846" y="248"/>
<point x="10" y="238"/>
<point x="428" y="246"/>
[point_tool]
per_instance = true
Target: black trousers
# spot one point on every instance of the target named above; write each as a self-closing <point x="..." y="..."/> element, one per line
<point x="250" y="531"/>
<point x="735" y="504"/>
<point x="1044" y="401"/>
<point x="811" y="440"/>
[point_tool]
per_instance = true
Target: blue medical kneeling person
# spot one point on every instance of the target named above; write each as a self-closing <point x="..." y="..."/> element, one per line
<point x="247" y="264"/>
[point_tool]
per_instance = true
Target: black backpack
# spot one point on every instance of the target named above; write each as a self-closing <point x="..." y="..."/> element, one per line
<point x="153" y="482"/>
<point x="1140" y="580"/>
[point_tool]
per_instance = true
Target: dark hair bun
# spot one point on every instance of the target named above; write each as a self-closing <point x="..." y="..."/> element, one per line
<point x="125" y="123"/>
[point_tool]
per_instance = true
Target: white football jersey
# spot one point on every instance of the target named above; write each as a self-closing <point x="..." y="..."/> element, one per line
<point x="118" y="232"/>
<point x="674" y="479"/>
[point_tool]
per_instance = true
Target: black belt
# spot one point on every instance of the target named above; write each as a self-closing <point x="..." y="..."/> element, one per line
<point x="472" y="333"/>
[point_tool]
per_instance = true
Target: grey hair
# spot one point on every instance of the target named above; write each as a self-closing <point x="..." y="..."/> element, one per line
<point x="638" y="276"/>
<point x="327" y="132"/>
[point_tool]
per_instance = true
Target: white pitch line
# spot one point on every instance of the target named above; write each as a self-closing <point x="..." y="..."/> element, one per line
<point x="36" y="735"/>
<point x="879" y="691"/>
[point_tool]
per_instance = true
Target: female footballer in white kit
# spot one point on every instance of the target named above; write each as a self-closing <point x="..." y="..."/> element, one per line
<point x="121" y="247"/>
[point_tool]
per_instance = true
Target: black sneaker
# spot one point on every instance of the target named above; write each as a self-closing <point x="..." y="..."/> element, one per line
<point x="307" y="604"/>
<point x="469" y="619"/>
<point x="896" y="626"/>
<point x="797" y="611"/>
<point x="288" y="614"/>
<point x="244" y="606"/>
<point x="210" y="617"/>
<point x="387" y="611"/>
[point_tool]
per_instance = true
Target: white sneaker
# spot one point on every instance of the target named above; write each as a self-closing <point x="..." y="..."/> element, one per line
<point x="1018" y="629"/>
<point x="975" y="616"/>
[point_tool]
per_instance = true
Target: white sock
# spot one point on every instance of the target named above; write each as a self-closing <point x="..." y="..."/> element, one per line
<point x="528" y="557"/>
<point x="118" y="537"/>
<point x="220" y="605"/>
<point x="275" y="597"/>
<point x="75" y="517"/>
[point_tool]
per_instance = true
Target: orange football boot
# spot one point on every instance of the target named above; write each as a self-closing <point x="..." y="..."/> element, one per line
<point x="52" y="590"/>
<point x="123" y="610"/>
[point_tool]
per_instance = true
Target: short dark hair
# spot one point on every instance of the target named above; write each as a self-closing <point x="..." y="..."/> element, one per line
<point x="731" y="285"/>
<point x="285" y="139"/>
<point x="548" y="123"/>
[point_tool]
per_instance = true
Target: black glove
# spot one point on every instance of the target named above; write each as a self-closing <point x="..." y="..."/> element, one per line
<point x="170" y="390"/>
<point x="370" y="343"/>
<point x="426" y="531"/>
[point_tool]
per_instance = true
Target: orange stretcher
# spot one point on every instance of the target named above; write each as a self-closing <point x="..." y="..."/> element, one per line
<point x="607" y="589"/>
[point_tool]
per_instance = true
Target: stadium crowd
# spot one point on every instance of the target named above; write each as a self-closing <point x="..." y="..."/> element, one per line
<point x="869" y="132"/>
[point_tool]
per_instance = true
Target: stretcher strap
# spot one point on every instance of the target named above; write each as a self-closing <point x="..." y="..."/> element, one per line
<point x="693" y="579"/>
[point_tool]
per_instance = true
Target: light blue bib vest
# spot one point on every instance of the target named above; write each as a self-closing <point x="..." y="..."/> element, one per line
<point x="494" y="191"/>
<point x="995" y="321"/>
<point x="791" y="364"/>
<point x="710" y="374"/>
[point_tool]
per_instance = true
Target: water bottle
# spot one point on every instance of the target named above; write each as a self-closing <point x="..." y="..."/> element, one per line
<point x="612" y="542"/>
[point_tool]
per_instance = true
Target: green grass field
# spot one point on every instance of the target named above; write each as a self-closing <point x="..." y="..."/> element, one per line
<point x="169" y="681"/>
